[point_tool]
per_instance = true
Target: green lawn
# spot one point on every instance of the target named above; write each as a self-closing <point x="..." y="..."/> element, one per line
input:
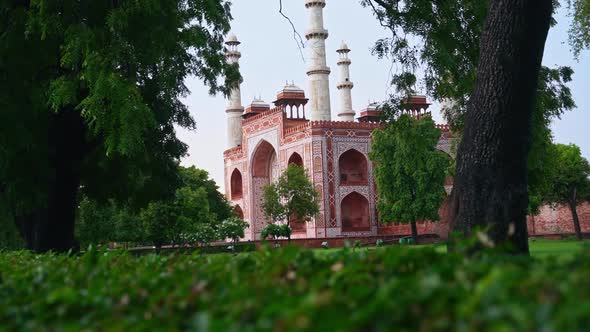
<point x="540" y="248"/>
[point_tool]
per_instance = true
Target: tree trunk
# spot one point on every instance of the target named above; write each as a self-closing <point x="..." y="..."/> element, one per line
<point x="51" y="228"/>
<point x="572" y="202"/>
<point x="414" y="232"/>
<point x="491" y="183"/>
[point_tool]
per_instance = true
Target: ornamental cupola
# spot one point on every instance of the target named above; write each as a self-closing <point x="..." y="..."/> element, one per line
<point x="371" y="114"/>
<point x="292" y="100"/>
<point x="416" y="106"/>
<point x="256" y="107"/>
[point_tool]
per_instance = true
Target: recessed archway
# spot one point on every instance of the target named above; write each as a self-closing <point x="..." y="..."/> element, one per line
<point x="239" y="212"/>
<point x="295" y="159"/>
<point x="297" y="225"/>
<point x="264" y="170"/>
<point x="355" y="213"/>
<point x="236" y="184"/>
<point x="353" y="168"/>
<point x="264" y="160"/>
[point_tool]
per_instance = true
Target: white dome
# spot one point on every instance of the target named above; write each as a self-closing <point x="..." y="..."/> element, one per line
<point x="258" y="102"/>
<point x="292" y="87"/>
<point x="232" y="39"/>
<point x="343" y="48"/>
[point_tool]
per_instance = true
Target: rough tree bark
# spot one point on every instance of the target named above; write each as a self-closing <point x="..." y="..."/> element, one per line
<point x="52" y="227"/>
<point x="491" y="184"/>
<point x="573" y="203"/>
<point x="414" y="232"/>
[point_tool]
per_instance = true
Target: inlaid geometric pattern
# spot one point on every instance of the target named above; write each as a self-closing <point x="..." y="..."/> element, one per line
<point x="362" y="145"/>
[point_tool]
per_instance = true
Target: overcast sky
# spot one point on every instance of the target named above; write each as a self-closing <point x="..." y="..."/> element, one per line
<point x="270" y="57"/>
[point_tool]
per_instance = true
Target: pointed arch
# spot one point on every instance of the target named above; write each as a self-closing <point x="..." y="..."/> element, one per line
<point x="353" y="168"/>
<point x="239" y="212"/>
<point x="355" y="213"/>
<point x="263" y="159"/>
<point x="296" y="159"/>
<point x="236" y="185"/>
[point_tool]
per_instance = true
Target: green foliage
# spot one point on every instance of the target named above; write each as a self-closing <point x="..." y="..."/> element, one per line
<point x="580" y="29"/>
<point x="233" y="228"/>
<point x="570" y="182"/>
<point x="276" y="231"/>
<point x="449" y="50"/>
<point x="292" y="196"/>
<point x="410" y="171"/>
<point x="203" y="234"/>
<point x="10" y="238"/>
<point x="195" y="178"/>
<point x="295" y="290"/>
<point x="97" y="86"/>
<point x="178" y="219"/>
<point x="553" y="99"/>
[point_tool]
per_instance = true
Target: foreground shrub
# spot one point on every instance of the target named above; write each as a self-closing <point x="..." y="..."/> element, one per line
<point x="401" y="289"/>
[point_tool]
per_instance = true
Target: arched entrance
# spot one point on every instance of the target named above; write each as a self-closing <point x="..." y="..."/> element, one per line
<point x="264" y="171"/>
<point x="353" y="168"/>
<point x="296" y="159"/>
<point x="236" y="185"/>
<point x="239" y="212"/>
<point x="355" y="213"/>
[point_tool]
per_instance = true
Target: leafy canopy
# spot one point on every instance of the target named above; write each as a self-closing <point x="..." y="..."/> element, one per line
<point x="292" y="196"/>
<point x="570" y="182"/>
<point x="117" y="66"/>
<point x="439" y="41"/>
<point x="410" y="171"/>
<point x="194" y="213"/>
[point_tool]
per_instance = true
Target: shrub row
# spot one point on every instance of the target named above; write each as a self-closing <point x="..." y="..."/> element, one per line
<point x="398" y="288"/>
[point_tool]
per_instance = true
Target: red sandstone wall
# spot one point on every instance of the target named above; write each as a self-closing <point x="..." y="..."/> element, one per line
<point x="558" y="220"/>
<point x="549" y="221"/>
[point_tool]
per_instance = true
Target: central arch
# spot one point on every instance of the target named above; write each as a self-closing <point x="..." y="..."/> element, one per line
<point x="264" y="160"/>
<point x="264" y="170"/>
<point x="355" y="213"/>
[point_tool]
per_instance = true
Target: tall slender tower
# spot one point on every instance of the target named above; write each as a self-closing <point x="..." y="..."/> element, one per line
<point x="318" y="72"/>
<point x="345" y="85"/>
<point x="234" y="109"/>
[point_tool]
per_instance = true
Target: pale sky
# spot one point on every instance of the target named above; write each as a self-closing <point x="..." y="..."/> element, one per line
<point x="270" y="57"/>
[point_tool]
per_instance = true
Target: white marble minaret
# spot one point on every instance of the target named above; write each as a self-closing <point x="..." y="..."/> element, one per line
<point x="318" y="72"/>
<point x="234" y="109"/>
<point x="345" y="85"/>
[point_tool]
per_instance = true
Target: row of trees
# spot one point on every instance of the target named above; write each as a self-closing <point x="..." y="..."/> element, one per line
<point x="197" y="213"/>
<point x="410" y="174"/>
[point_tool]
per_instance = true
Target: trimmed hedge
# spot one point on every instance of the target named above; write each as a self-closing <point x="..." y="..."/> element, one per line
<point x="398" y="288"/>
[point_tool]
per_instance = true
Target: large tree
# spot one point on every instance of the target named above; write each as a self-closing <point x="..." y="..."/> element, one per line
<point x="445" y="38"/>
<point x="410" y="171"/>
<point x="570" y="181"/>
<point x="90" y="93"/>
<point x="292" y="198"/>
<point x="490" y="192"/>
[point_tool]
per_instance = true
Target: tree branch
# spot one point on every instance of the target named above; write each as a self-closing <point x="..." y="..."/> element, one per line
<point x="296" y="36"/>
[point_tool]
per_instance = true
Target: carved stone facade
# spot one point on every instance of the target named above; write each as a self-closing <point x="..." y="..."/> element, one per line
<point x="336" y="158"/>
